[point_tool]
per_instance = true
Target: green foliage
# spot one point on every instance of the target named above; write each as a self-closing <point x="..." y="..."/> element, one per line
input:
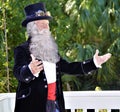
<point x="79" y="27"/>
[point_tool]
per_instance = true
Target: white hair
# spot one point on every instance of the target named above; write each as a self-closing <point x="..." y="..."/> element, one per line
<point x="42" y="45"/>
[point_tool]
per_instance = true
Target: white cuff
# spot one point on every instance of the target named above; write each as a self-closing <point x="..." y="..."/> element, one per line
<point x="95" y="62"/>
<point x="36" y="75"/>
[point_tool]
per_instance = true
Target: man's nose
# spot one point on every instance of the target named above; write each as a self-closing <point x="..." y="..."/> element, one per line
<point x="46" y="26"/>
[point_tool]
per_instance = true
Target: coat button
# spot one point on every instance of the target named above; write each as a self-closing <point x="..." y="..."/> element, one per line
<point x="89" y="72"/>
<point x="23" y="96"/>
<point x="84" y="62"/>
<point x="45" y="79"/>
<point x="33" y="78"/>
<point x="45" y="86"/>
<point x="24" y="66"/>
<point x="26" y="79"/>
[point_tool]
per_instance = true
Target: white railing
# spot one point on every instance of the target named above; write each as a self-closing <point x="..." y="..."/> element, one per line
<point x="74" y="100"/>
<point x="92" y="100"/>
<point x="7" y="102"/>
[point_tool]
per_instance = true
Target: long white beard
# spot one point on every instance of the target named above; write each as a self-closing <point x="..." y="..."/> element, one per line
<point x="43" y="46"/>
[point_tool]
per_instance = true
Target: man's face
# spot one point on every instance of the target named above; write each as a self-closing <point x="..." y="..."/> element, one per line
<point x="42" y="24"/>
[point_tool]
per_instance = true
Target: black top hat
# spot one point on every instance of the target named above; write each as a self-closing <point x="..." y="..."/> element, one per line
<point x="35" y="12"/>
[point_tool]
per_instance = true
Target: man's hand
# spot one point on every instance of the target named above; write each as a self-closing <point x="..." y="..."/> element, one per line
<point x="99" y="60"/>
<point x="36" y="66"/>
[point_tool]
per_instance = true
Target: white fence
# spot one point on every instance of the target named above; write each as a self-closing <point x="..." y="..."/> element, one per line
<point x="74" y="100"/>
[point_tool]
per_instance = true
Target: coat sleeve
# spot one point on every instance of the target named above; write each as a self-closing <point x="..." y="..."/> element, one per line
<point x="21" y="70"/>
<point x="85" y="67"/>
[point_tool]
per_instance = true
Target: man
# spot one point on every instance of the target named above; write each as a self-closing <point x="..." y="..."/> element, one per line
<point x="38" y="66"/>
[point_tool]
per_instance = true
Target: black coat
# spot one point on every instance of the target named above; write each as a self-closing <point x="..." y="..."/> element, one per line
<point x="31" y="94"/>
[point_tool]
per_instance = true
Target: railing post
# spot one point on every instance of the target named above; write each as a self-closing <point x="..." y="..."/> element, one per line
<point x="96" y="110"/>
<point x="108" y="110"/>
<point x="84" y="110"/>
<point x="72" y="110"/>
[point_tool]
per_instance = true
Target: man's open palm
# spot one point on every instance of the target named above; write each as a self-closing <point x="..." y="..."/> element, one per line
<point x="101" y="59"/>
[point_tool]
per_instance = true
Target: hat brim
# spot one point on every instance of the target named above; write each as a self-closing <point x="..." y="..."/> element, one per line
<point x="27" y="20"/>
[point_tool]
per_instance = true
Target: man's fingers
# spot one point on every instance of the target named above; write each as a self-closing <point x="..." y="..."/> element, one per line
<point x="97" y="52"/>
<point x="33" y="58"/>
<point x="106" y="56"/>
